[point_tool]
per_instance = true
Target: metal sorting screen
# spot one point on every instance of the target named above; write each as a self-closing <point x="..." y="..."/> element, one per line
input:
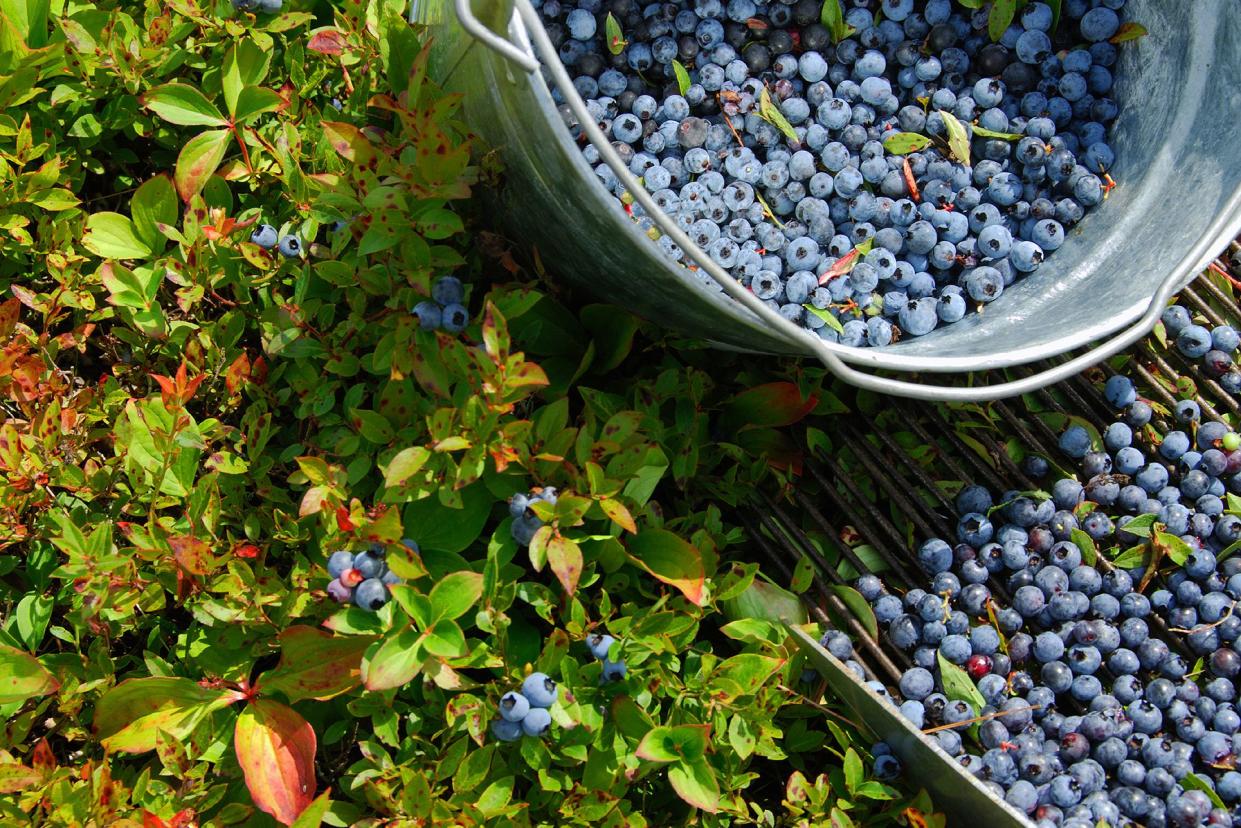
<point x="869" y="492"/>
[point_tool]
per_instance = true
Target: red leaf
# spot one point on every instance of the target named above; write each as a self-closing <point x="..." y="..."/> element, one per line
<point x="237" y="373"/>
<point x="773" y="404"/>
<point x="327" y="42"/>
<point x="192" y="555"/>
<point x="908" y="172"/>
<point x="42" y="758"/>
<point x="246" y="550"/>
<point x="840" y="267"/>
<point x="342" y="519"/>
<point x="276" y="750"/>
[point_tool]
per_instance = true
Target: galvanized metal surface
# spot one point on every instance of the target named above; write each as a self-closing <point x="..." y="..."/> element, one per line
<point x="1179" y="201"/>
<point x="955" y="791"/>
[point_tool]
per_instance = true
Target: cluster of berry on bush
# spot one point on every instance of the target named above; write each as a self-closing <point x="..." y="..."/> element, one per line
<point x="363" y="578"/>
<point x="525" y="522"/>
<point x="526" y="711"/>
<point x="267" y="237"/>
<point x="444" y="310"/>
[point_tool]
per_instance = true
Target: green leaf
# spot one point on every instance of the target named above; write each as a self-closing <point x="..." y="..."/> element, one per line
<point x="1131" y="558"/>
<point x="827" y="316"/>
<point x="405" y="465"/>
<point x="313" y="816"/>
<point x="903" y="143"/>
<point x="1175" y="548"/>
<point x="958" y="139"/>
<point x="180" y="103"/>
<point x="25" y="24"/>
<point x="768" y="602"/>
<point x="254" y="101"/>
<point x="564" y="557"/>
<point x="394" y="664"/>
<point x="858" y="606"/>
<point x="683" y="80"/>
<point x="1142" y="525"/>
<point x="245" y="64"/>
<point x="769" y="112"/>
<point x="33" y="614"/>
<point x="1086" y="544"/>
<point x="1001" y="18"/>
<point x="695" y="783"/>
<point x="154" y="203"/>
<point x="671" y="744"/>
<point x="129" y="288"/>
<point x="440" y="529"/>
<point x="1055" y="14"/>
<point x="671" y="560"/>
<point x="991" y="133"/>
<point x="1130" y="30"/>
<point x="615" y="38"/>
<point x="803" y="575"/>
<point x="832" y="16"/>
<point x="112" y="236"/>
<point x="770" y="405"/>
<point x="958" y="686"/>
<point x="1194" y="782"/>
<point x="198" y="161"/>
<point x="744" y="674"/>
<point x="22" y="677"/>
<point x="454" y="594"/>
<point x="854" y="772"/>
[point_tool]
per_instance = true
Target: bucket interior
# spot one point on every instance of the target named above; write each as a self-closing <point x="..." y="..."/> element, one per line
<point x="1178" y="200"/>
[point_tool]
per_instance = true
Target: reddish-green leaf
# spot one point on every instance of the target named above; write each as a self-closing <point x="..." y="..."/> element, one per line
<point x="903" y="143"/>
<point x="619" y="514"/>
<point x="198" y="161"/>
<point x="564" y="556"/>
<point x="130" y="715"/>
<point x="316" y="665"/>
<point x="180" y="103"/>
<point x="1130" y="30"/>
<point x="774" y="404"/>
<point x="276" y="750"/>
<point x="22" y="677"/>
<point x="671" y="560"/>
<point x="14" y="778"/>
<point x="694" y="781"/>
<point x="349" y="141"/>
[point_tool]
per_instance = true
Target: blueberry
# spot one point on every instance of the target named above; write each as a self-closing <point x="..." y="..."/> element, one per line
<point x="265" y="236"/>
<point x="600" y="644"/>
<point x="455" y="318"/>
<point x="368" y="564"/>
<point x="371" y="594"/>
<point x="338" y="592"/>
<point x="613" y="670"/>
<point x="513" y="707"/>
<point x="506" y="731"/>
<point x="536" y="722"/>
<point x="338" y="562"/>
<point x="290" y="247"/>
<point x="540" y="690"/>
<point x="448" y="290"/>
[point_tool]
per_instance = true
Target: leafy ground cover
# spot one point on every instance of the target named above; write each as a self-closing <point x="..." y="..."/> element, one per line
<point x="192" y="424"/>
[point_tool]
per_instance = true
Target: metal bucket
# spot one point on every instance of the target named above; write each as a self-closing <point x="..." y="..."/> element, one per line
<point x="1177" y="204"/>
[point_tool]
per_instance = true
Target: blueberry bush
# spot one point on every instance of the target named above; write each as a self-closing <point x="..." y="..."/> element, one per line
<point x="216" y="224"/>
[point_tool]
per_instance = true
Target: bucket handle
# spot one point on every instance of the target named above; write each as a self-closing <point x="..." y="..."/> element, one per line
<point x="484" y="35"/>
<point x="827" y="355"/>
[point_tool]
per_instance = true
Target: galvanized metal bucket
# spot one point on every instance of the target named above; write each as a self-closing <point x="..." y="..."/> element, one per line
<point x="1177" y="204"/>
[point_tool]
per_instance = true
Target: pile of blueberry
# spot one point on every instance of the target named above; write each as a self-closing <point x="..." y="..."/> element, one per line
<point x="1213" y="346"/>
<point x="362" y="579"/>
<point x="266" y="237"/>
<point x="1099" y="689"/>
<point x="525" y="521"/>
<point x="526" y="712"/>
<point x="600" y="646"/>
<point x="770" y="149"/>
<point x="445" y="310"/>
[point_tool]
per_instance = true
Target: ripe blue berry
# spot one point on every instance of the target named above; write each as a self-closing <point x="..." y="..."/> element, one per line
<point x="540" y="690"/>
